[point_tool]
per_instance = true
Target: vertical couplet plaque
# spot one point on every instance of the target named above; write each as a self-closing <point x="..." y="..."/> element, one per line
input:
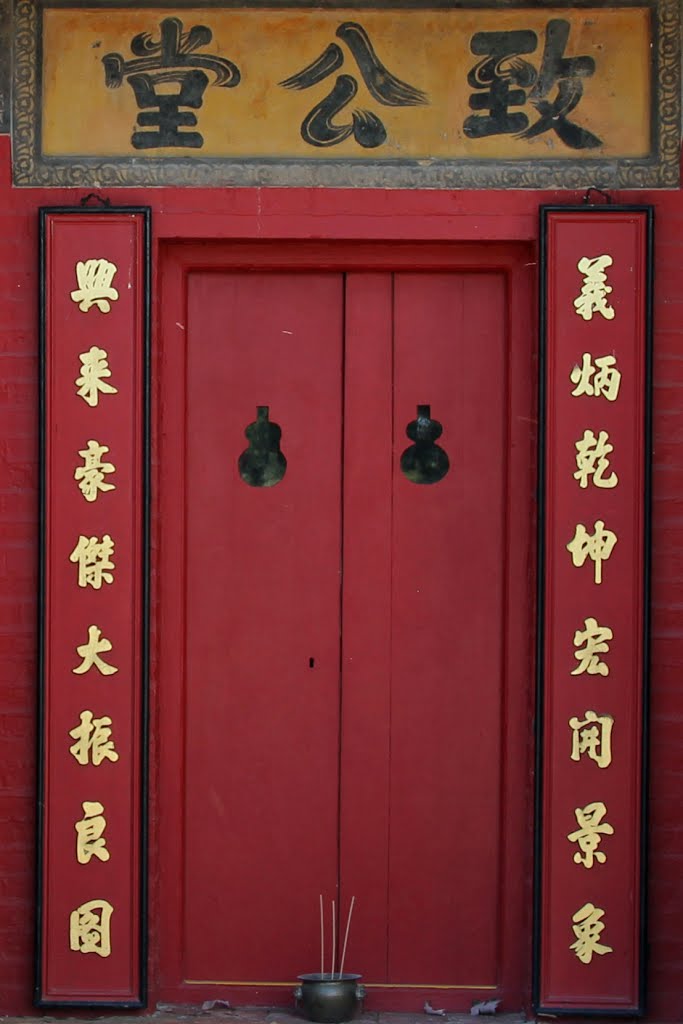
<point x="94" y="351"/>
<point x="595" y="380"/>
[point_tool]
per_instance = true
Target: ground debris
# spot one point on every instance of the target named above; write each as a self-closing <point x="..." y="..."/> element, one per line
<point x="484" y="1006"/>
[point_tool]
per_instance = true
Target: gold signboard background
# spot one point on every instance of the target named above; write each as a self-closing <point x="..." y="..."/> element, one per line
<point x="429" y="49"/>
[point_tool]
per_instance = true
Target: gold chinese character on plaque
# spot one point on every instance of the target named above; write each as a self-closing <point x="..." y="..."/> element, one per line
<point x="591" y="643"/>
<point x="592" y="736"/>
<point x="94" y="561"/>
<point x="589" y="833"/>
<point x="94" y="371"/>
<point x="587" y="927"/>
<point x="592" y="461"/>
<point x="90" y="928"/>
<point x="91" y="651"/>
<point x="93" y="743"/>
<point x="94" y="279"/>
<point x="601" y="379"/>
<point x="597" y="546"/>
<point x="90" y="475"/>
<point x="90" y="841"/>
<point x="593" y="297"/>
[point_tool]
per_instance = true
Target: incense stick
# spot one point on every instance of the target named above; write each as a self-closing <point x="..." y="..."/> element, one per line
<point x="334" y="940"/>
<point x="346" y="937"/>
<point x="322" y="940"/>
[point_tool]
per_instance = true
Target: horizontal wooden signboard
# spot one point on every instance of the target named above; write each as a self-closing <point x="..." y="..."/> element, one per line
<point x="383" y="94"/>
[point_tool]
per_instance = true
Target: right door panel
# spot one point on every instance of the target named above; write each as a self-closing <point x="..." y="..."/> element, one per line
<point x="423" y="633"/>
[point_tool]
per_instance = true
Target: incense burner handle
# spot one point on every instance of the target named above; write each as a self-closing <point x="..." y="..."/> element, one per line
<point x="360" y="995"/>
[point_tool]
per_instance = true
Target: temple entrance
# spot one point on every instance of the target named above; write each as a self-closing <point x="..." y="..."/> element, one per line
<point x="344" y="688"/>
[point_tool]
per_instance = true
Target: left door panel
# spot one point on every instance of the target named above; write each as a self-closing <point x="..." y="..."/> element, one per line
<point x="262" y="618"/>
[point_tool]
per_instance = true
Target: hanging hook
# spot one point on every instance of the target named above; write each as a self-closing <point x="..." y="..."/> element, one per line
<point x="98" y="199"/>
<point x="587" y="195"/>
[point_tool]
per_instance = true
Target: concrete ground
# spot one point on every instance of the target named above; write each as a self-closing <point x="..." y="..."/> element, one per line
<point x="263" y="1015"/>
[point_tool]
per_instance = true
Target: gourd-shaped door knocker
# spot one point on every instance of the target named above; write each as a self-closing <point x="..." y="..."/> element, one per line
<point x="424" y="462"/>
<point x="262" y="464"/>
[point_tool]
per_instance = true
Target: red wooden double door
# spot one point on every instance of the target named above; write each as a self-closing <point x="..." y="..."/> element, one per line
<point x="343" y="685"/>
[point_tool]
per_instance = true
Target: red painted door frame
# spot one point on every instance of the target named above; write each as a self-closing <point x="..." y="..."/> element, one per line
<point x="514" y="260"/>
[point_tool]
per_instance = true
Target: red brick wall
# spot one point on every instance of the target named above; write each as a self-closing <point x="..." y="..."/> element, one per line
<point x="273" y="213"/>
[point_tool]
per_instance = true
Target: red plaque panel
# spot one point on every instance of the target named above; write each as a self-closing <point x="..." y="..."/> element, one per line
<point x="593" y="608"/>
<point x="93" y="635"/>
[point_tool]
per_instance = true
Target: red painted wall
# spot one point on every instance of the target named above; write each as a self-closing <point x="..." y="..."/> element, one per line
<point x="321" y="214"/>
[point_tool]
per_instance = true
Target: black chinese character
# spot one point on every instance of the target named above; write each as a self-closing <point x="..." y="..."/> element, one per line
<point x="503" y="76"/>
<point x="318" y="128"/>
<point x="567" y="72"/>
<point x="497" y="75"/>
<point x="170" y="59"/>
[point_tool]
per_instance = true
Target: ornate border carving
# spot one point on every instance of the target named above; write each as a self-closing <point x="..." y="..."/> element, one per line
<point x="5" y="66"/>
<point x="659" y="170"/>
